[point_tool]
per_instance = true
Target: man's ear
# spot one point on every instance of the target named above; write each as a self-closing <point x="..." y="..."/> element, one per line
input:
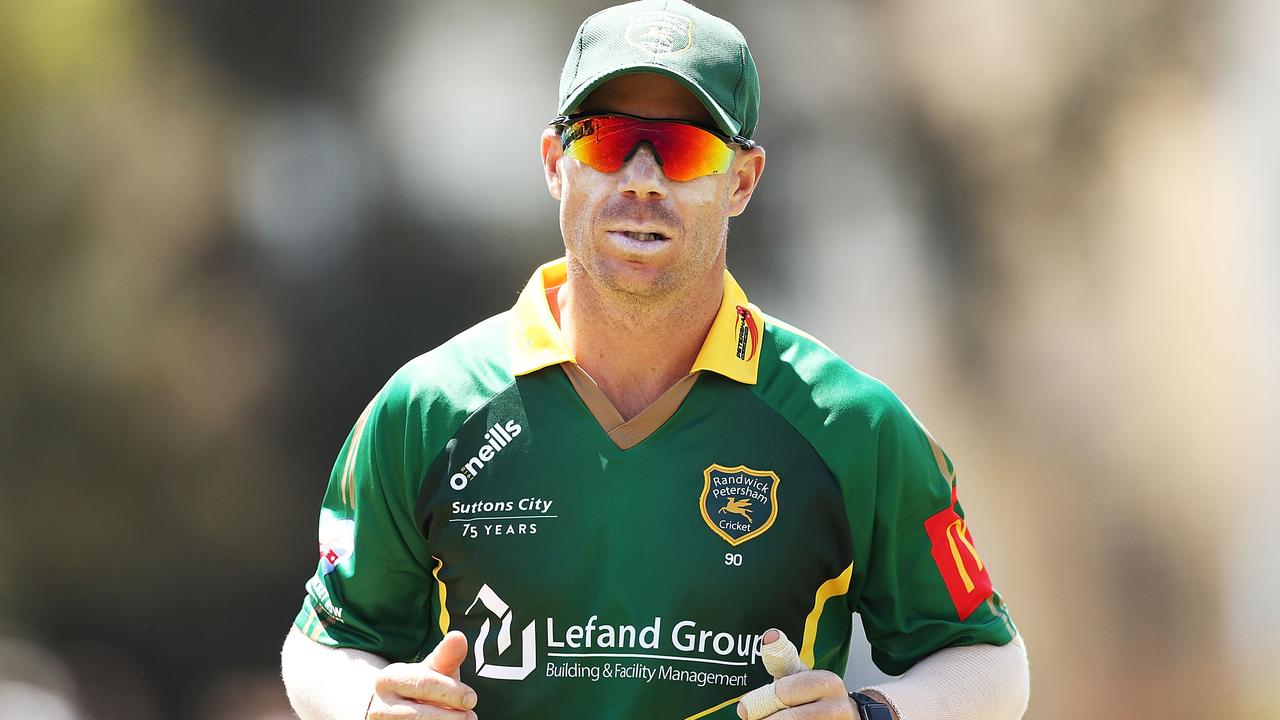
<point x="552" y="154"/>
<point x="745" y="171"/>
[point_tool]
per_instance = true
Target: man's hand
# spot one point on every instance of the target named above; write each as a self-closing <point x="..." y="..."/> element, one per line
<point x="429" y="690"/>
<point x="797" y="693"/>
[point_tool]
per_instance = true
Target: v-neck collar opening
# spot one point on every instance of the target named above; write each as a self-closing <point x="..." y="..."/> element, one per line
<point x="626" y="434"/>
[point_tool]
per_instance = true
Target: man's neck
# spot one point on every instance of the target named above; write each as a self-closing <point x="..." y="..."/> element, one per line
<point x="636" y="351"/>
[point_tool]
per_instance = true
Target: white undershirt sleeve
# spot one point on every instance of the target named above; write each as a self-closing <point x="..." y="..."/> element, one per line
<point x="973" y="682"/>
<point x="325" y="683"/>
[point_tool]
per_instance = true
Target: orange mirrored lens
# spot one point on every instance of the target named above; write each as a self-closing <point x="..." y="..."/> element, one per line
<point x="685" y="152"/>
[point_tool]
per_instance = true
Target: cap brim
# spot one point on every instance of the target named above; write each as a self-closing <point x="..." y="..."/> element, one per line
<point x="722" y="119"/>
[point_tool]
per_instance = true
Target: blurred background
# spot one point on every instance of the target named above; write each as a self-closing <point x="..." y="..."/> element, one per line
<point x="1050" y="226"/>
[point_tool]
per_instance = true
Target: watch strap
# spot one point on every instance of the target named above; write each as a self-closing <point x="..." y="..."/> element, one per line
<point x="869" y="708"/>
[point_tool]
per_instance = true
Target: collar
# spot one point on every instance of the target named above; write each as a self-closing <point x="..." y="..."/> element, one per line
<point x="731" y="349"/>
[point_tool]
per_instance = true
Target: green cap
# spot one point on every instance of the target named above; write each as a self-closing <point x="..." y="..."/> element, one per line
<point x="700" y="51"/>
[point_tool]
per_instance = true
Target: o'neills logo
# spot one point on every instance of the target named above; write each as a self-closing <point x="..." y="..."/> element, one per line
<point x="660" y="32"/>
<point x="748" y="334"/>
<point x="739" y="503"/>
<point x="497" y="438"/>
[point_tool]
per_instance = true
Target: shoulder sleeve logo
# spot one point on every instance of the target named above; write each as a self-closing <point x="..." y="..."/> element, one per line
<point x="337" y="540"/>
<point x="957" y="558"/>
<point x="738" y="503"/>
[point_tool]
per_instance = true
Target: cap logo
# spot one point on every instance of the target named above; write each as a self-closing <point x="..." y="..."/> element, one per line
<point x="659" y="32"/>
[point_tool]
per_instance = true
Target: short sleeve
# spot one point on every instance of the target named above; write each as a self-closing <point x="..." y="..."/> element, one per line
<point x="372" y="589"/>
<point x="925" y="586"/>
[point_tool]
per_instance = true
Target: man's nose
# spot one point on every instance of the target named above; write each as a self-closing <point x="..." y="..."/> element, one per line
<point x="642" y="176"/>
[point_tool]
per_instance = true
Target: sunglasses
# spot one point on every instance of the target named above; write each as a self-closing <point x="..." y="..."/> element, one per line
<point x="684" y="150"/>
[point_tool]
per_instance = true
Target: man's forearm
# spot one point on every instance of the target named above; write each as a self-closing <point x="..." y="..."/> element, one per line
<point x="327" y="683"/>
<point x="974" y="682"/>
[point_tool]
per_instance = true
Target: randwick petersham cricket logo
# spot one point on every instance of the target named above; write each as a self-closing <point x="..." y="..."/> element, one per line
<point x="660" y="32"/>
<point x="738" y="503"/>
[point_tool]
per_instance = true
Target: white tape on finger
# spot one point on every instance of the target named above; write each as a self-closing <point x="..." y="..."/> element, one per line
<point x="761" y="702"/>
<point x="781" y="657"/>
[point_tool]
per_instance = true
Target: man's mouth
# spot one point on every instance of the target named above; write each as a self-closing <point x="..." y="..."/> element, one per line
<point x="644" y="236"/>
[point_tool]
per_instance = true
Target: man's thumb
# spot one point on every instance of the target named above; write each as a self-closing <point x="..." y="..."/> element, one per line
<point x="779" y="655"/>
<point x="449" y="654"/>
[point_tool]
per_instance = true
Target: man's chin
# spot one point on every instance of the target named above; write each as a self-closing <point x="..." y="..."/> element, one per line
<point x="636" y="280"/>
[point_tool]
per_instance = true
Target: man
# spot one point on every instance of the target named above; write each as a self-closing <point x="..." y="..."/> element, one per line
<point x="593" y="505"/>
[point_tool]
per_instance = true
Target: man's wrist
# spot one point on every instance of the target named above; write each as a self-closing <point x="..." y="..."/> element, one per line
<point x="871" y="705"/>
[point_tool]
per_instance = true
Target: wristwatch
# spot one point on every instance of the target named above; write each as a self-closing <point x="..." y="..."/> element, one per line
<point x="870" y="709"/>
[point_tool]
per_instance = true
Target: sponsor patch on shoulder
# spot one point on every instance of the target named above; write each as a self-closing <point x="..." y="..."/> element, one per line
<point x="962" y="569"/>
<point x="337" y="541"/>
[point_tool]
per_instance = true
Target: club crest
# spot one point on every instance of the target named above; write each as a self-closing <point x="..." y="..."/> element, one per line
<point x="738" y="503"/>
<point x="659" y="32"/>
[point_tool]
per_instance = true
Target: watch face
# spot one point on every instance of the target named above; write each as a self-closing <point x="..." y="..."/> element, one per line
<point x="870" y="709"/>
<point x="876" y="711"/>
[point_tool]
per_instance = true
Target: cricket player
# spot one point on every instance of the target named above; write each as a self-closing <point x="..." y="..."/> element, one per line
<point x="635" y="494"/>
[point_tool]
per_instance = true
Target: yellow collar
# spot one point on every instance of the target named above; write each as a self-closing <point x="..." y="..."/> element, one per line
<point x="732" y="347"/>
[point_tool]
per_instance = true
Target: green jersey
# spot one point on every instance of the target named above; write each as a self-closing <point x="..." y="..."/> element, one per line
<point x="610" y="569"/>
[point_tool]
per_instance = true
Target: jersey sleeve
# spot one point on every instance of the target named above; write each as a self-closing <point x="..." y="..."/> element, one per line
<point x="372" y="587"/>
<point x="924" y="585"/>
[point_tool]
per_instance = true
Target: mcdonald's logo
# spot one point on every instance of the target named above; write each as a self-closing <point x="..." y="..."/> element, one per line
<point x="957" y="558"/>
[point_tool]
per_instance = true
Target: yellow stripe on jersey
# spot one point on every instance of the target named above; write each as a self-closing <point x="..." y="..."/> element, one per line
<point x="710" y="710"/>
<point x="444" y="610"/>
<point x="349" y="467"/>
<point x="939" y="457"/>
<point x="313" y="627"/>
<point x="834" y="587"/>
